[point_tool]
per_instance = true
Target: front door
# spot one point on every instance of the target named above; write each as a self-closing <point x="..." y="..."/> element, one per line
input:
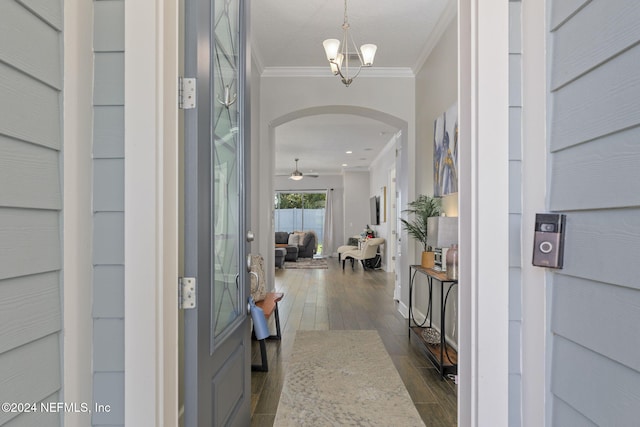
<point x="217" y="331"/>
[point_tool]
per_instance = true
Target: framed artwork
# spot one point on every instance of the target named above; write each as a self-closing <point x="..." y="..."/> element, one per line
<point x="445" y="152"/>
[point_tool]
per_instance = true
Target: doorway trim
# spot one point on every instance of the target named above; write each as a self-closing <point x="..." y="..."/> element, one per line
<point x="483" y="91"/>
<point x="151" y="212"/>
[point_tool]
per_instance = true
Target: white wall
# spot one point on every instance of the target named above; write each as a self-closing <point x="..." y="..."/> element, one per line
<point x="379" y="178"/>
<point x="356" y="196"/>
<point x="436" y="91"/>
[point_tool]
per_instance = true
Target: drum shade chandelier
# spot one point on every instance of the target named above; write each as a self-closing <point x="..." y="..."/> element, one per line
<point x="339" y="56"/>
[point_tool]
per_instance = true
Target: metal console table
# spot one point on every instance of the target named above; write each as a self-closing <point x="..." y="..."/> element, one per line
<point x="442" y="355"/>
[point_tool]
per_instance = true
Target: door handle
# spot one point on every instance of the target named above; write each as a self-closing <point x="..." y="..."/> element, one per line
<point x="250" y="236"/>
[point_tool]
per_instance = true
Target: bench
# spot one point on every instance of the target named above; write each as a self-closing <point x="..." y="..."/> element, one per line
<point x="269" y="305"/>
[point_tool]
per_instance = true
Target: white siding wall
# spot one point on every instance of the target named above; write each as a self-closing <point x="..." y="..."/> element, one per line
<point x="30" y="207"/>
<point x="515" y="213"/>
<point x="108" y="211"/>
<point x="594" y="133"/>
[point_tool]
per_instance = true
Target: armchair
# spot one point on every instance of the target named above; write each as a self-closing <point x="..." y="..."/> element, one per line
<point x="368" y="251"/>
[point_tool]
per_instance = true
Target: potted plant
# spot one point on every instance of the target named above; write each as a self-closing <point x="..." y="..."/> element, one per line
<point x="422" y="208"/>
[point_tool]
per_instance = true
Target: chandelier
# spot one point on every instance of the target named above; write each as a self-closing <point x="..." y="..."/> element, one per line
<point x="339" y="57"/>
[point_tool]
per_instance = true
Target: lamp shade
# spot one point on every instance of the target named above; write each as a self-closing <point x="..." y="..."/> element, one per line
<point x="442" y="231"/>
<point x="331" y="47"/>
<point x="368" y="53"/>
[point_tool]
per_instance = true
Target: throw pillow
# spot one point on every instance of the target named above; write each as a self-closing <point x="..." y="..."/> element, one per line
<point x="301" y="235"/>
<point x="294" y="240"/>
<point x="258" y="286"/>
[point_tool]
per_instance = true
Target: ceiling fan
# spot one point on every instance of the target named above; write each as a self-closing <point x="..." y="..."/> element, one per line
<point x="296" y="175"/>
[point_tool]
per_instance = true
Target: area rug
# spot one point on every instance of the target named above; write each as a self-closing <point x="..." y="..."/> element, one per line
<point x="307" y="263"/>
<point x="343" y="378"/>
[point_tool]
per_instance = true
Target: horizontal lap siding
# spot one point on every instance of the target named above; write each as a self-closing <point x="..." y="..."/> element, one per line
<point x="34" y="44"/>
<point x="108" y="207"/>
<point x="30" y="207"/>
<point x="30" y="373"/>
<point x="605" y="392"/>
<point x="603" y="30"/>
<point x="600" y="103"/>
<point x="594" y="133"/>
<point x="597" y="307"/>
<point x="29" y="309"/>
<point x="588" y="175"/>
<point x="31" y="175"/>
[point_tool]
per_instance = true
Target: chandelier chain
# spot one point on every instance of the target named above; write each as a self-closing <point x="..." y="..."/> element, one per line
<point x="346" y="18"/>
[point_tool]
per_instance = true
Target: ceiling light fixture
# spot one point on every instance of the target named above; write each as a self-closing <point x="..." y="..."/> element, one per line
<point x="296" y="175"/>
<point x="339" y="58"/>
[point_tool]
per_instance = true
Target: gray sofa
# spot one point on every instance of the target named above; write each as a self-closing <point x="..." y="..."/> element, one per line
<point x="305" y="249"/>
<point x="282" y="240"/>
<point x="308" y="247"/>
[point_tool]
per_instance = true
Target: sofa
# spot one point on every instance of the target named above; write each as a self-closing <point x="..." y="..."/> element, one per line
<point x="282" y="241"/>
<point x="307" y="247"/>
<point x="280" y="255"/>
<point x="295" y="247"/>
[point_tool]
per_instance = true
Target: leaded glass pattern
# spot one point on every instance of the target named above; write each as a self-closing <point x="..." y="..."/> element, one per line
<point x="225" y="156"/>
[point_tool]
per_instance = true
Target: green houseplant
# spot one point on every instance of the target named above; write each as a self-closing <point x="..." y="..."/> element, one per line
<point x="422" y="208"/>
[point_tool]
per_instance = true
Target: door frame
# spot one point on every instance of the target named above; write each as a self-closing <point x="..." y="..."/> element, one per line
<point x="151" y="211"/>
<point x="483" y="100"/>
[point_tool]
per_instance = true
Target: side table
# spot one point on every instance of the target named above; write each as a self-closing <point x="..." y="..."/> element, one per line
<point x="443" y="356"/>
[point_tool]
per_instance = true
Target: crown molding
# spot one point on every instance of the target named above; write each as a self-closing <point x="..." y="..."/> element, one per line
<point x="374" y="72"/>
<point x="446" y="17"/>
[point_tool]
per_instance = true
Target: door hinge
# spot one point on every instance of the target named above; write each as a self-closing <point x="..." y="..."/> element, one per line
<point x="186" y="93"/>
<point x="186" y="293"/>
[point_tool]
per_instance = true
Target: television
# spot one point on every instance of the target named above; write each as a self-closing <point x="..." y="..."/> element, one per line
<point x="374" y="209"/>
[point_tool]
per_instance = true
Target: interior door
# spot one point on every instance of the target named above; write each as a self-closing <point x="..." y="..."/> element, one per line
<point x="217" y="331"/>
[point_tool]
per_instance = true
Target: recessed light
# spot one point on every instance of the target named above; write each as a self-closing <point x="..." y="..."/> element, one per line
<point x="349" y="152"/>
<point x="344" y="165"/>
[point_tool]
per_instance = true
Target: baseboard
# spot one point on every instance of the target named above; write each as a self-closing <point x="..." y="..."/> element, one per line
<point x="403" y="309"/>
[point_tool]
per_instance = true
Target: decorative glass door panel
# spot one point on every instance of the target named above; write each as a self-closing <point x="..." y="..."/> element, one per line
<point x="217" y="330"/>
<point x="225" y="295"/>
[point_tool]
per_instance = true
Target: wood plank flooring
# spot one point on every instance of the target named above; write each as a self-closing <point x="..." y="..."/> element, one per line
<point x="336" y="299"/>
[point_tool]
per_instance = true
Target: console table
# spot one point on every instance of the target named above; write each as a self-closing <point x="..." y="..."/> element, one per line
<point x="442" y="355"/>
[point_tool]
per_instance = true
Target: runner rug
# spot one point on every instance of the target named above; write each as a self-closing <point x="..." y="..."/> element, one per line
<point x="307" y="263"/>
<point x="343" y="378"/>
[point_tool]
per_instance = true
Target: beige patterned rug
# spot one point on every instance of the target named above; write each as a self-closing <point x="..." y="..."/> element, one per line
<point x="306" y="263"/>
<point x="343" y="378"/>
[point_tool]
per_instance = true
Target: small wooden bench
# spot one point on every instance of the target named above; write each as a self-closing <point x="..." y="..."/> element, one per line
<point x="269" y="305"/>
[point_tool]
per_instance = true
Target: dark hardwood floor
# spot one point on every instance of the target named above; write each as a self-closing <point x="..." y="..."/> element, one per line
<point x="333" y="299"/>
